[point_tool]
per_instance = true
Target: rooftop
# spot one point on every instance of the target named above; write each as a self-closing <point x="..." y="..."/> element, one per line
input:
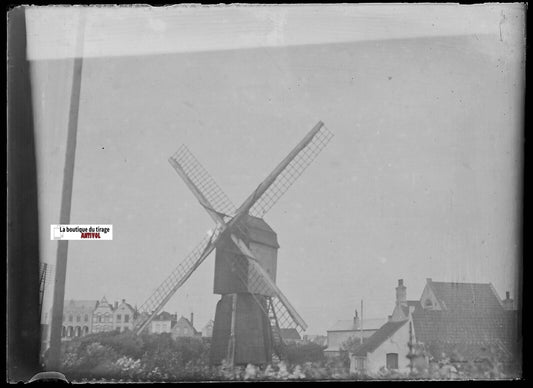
<point x="380" y="336"/>
<point x="466" y="296"/>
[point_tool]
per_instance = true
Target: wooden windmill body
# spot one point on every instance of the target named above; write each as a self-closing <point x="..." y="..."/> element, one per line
<point x="242" y="302"/>
<point x="252" y="309"/>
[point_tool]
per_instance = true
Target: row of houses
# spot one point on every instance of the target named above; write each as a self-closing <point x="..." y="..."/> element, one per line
<point x="458" y="321"/>
<point x="81" y="317"/>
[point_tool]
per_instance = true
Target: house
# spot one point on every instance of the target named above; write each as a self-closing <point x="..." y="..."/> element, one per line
<point x="123" y="316"/>
<point x="77" y="318"/>
<point x="386" y="347"/>
<point x="207" y="330"/>
<point x="184" y="328"/>
<point x="103" y="317"/>
<point x="464" y="321"/>
<point x="162" y="323"/>
<point x="345" y="330"/>
<point x="460" y="321"/>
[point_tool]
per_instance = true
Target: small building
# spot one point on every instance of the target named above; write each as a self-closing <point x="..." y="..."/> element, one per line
<point x="385" y="348"/>
<point x="464" y="321"/>
<point x="103" y="317"/>
<point x="345" y="330"/>
<point x="77" y="318"/>
<point x="123" y="316"/>
<point x="163" y="323"/>
<point x="184" y="328"/>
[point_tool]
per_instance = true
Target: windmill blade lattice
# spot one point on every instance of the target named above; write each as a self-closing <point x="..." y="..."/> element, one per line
<point x="203" y="181"/>
<point x="176" y="279"/>
<point x="46" y="278"/>
<point x="258" y="282"/>
<point x="291" y="173"/>
<point x="261" y="286"/>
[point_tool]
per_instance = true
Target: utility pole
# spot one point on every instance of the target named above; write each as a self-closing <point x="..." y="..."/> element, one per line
<point x="361" y="324"/>
<point x="54" y="354"/>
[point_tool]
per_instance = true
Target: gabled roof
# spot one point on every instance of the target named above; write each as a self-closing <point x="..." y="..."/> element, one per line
<point x="290" y="334"/>
<point x="464" y="331"/>
<point x="88" y="305"/>
<point x="466" y="296"/>
<point x="185" y="321"/>
<point x="350" y="325"/>
<point x="380" y="336"/>
<point x="129" y="306"/>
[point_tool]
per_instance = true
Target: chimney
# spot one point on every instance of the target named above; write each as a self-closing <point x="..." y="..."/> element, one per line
<point x="401" y="293"/>
<point x="192" y="319"/>
<point x="356" y="320"/>
<point x="508" y="303"/>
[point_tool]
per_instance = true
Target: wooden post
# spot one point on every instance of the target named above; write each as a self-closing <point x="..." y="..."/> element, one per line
<point x="54" y="356"/>
<point x="231" y="342"/>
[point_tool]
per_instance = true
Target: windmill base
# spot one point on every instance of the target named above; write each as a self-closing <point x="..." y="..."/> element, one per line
<point x="253" y="338"/>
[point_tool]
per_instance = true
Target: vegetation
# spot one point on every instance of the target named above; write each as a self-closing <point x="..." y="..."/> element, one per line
<point x="124" y="356"/>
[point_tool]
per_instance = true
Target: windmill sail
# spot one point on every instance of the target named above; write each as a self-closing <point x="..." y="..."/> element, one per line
<point x="263" y="284"/>
<point x="151" y="307"/>
<point x="285" y="174"/>
<point x="194" y="173"/>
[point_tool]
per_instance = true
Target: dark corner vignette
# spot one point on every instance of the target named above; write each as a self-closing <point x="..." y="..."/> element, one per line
<point x="23" y="321"/>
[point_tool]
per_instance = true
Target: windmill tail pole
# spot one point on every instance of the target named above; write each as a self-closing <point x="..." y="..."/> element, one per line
<point x="263" y="186"/>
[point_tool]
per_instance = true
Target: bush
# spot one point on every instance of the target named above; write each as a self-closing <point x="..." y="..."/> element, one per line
<point x="159" y="357"/>
<point x="296" y="353"/>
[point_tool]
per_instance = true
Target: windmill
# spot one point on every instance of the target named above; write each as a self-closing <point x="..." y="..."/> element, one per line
<point x="252" y="309"/>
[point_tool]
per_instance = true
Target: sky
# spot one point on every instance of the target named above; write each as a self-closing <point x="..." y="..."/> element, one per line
<point x="422" y="178"/>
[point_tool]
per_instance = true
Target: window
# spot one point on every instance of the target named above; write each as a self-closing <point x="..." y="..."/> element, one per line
<point x="70" y="318"/>
<point x="86" y="318"/>
<point x="392" y="360"/>
<point x="78" y="318"/>
<point x="360" y="363"/>
<point x="126" y="318"/>
<point x="186" y="331"/>
<point x="100" y="318"/>
<point x="428" y="303"/>
<point x="119" y="317"/>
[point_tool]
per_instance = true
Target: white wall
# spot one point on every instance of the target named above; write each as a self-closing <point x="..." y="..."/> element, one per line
<point x="397" y="343"/>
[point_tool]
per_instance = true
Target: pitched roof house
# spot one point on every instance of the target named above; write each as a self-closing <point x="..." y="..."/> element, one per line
<point x="184" y="328"/>
<point x="345" y="330"/>
<point x="462" y="321"/>
<point x="103" y="316"/>
<point x="163" y="323"/>
<point x="385" y="348"/>
<point x="123" y="316"/>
